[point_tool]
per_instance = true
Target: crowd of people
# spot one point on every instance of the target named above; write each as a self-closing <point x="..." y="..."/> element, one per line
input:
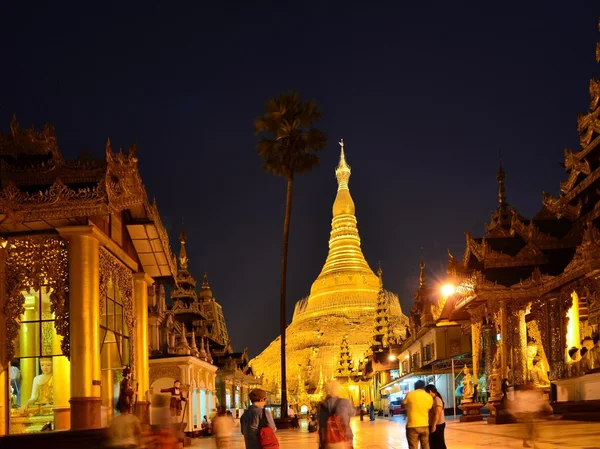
<point x="425" y="422"/>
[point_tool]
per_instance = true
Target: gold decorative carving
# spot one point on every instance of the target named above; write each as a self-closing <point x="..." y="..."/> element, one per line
<point x="164" y="370"/>
<point x="33" y="263"/>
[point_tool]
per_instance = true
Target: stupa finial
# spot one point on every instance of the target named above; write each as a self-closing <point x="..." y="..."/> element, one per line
<point x="342" y="172"/>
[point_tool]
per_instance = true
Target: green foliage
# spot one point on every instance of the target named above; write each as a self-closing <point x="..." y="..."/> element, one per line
<point x="289" y="144"/>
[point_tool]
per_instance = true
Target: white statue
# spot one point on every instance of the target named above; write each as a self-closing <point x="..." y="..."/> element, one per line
<point x="42" y="389"/>
<point x="495" y="384"/>
<point x="467" y="385"/>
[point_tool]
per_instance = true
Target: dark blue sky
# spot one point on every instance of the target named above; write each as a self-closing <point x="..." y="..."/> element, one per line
<point x="424" y="97"/>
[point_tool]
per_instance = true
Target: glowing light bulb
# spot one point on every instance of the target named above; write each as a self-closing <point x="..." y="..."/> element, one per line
<point x="448" y="289"/>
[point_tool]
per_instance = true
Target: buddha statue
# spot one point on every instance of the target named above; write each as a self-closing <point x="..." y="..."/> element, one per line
<point x="494" y="384"/>
<point x="595" y="355"/>
<point x="574" y="362"/>
<point x="467" y="385"/>
<point x="586" y="354"/>
<point x="42" y="389"/>
<point x="538" y="377"/>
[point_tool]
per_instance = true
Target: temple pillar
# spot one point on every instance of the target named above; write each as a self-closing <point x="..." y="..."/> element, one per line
<point x="4" y="368"/>
<point x="557" y="340"/>
<point x="504" y="333"/>
<point x="84" y="309"/>
<point x="488" y="348"/>
<point x="519" y="347"/>
<point x="476" y="349"/>
<point x="141" y="282"/>
<point x="573" y="331"/>
<point x="61" y="369"/>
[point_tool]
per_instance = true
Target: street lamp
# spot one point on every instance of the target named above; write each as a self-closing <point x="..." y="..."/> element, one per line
<point x="392" y="357"/>
<point x="448" y="290"/>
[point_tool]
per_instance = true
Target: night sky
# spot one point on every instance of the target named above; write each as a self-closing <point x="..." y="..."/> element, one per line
<point x="425" y="97"/>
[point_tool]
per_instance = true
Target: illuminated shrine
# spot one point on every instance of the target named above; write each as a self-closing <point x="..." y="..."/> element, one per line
<point x="332" y="330"/>
<point x="531" y="286"/>
<point x="81" y="247"/>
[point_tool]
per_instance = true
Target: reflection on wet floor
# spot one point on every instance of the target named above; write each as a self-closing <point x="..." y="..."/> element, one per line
<point x="389" y="433"/>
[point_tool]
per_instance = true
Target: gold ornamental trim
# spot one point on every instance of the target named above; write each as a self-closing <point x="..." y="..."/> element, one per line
<point x="33" y="263"/>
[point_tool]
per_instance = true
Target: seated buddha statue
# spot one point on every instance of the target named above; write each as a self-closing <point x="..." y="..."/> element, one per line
<point x="42" y="390"/>
<point x="538" y="377"/>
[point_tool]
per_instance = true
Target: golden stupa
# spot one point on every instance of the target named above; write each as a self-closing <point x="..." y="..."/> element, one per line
<point x="342" y="303"/>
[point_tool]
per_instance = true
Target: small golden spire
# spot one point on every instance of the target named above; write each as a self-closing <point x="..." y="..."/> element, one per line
<point x="183" y="258"/>
<point x="422" y="277"/>
<point x="342" y="172"/>
<point x="501" y="188"/>
<point x="380" y="276"/>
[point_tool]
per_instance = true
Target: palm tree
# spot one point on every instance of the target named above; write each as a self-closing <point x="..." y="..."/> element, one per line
<point x="289" y="146"/>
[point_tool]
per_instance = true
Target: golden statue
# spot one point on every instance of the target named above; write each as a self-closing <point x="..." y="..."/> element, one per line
<point x="537" y="367"/>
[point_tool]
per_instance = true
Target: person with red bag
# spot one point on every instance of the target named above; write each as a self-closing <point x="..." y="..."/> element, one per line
<point x="334" y="419"/>
<point x="257" y="424"/>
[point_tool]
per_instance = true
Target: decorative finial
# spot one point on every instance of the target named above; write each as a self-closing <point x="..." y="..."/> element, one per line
<point x="205" y="283"/>
<point x="183" y="258"/>
<point x="380" y="276"/>
<point x="342" y="172"/>
<point x="422" y="277"/>
<point x="501" y="188"/>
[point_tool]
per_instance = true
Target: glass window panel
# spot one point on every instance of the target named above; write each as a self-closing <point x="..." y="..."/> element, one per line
<point x="118" y="296"/>
<point x="125" y="351"/>
<point x="32" y="306"/>
<point x="118" y="318"/>
<point x="110" y="321"/>
<point x="50" y="339"/>
<point x="46" y="305"/>
<point x="28" y="340"/>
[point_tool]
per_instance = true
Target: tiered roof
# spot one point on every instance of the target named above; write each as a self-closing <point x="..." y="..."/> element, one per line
<point x="521" y="258"/>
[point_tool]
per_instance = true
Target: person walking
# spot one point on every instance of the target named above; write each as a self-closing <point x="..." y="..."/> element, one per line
<point x="250" y="420"/>
<point x="437" y="421"/>
<point x="372" y="412"/>
<point x="333" y="404"/>
<point x="418" y="403"/>
<point x="125" y="429"/>
<point x="222" y="426"/>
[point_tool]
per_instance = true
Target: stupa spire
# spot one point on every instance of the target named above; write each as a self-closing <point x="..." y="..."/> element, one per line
<point x="345" y="253"/>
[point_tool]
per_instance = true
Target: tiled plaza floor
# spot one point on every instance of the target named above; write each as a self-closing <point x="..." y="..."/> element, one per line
<point x="388" y="433"/>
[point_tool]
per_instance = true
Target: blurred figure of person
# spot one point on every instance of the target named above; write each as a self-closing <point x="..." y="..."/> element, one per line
<point x="249" y="422"/>
<point x="164" y="433"/>
<point x="334" y="404"/>
<point x="222" y="426"/>
<point x="230" y="416"/>
<point x="206" y="425"/>
<point x="437" y="421"/>
<point x="313" y="425"/>
<point x="125" y="429"/>
<point x="418" y="403"/>
<point x="362" y="411"/>
<point x="372" y="412"/>
<point x="212" y="414"/>
<point x="529" y="403"/>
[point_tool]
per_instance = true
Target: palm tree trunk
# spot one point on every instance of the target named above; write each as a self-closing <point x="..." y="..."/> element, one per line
<point x="282" y="305"/>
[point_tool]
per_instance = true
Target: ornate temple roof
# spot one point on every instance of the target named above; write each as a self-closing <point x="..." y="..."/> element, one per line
<point x="522" y="258"/>
<point x="40" y="190"/>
